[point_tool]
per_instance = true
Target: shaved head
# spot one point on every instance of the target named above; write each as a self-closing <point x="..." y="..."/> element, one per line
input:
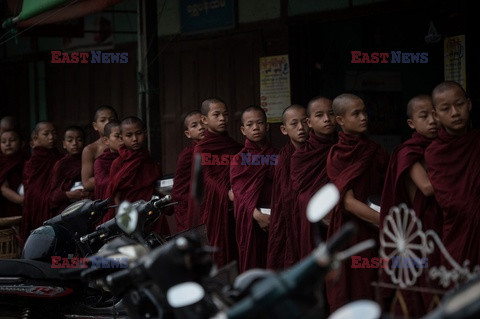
<point x="107" y="130"/>
<point x="289" y="108"/>
<point x="8" y="123"/>
<point x="253" y="108"/>
<point x="39" y="125"/>
<point x="447" y="85"/>
<point x="342" y="102"/>
<point x="133" y="120"/>
<point x="189" y="115"/>
<point x="104" y="108"/>
<point x="206" y="105"/>
<point x="417" y="98"/>
<point x="315" y="99"/>
<point x="75" y="128"/>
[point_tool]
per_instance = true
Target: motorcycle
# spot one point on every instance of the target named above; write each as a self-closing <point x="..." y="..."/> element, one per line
<point x="38" y="286"/>
<point x="175" y="280"/>
<point x="60" y="235"/>
<point x="147" y="211"/>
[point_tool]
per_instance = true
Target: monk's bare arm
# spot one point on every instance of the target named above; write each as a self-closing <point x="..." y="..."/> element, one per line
<point x="10" y="194"/>
<point x="231" y="197"/>
<point x="263" y="220"/>
<point x="88" y="157"/>
<point x="360" y="209"/>
<point x="419" y="176"/>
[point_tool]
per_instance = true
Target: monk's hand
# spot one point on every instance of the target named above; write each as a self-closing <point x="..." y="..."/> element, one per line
<point x="263" y="220"/>
<point x="76" y="194"/>
<point x="230" y="195"/>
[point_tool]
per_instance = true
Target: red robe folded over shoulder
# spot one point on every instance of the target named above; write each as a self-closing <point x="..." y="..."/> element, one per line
<point x="426" y="209"/>
<point x="101" y="171"/>
<point x="251" y="175"/>
<point x="215" y="210"/>
<point x="11" y="169"/>
<point x="133" y="175"/>
<point x="65" y="173"/>
<point x="282" y="246"/>
<point x="36" y="178"/>
<point x="181" y="187"/>
<point x="356" y="163"/>
<point x="309" y="174"/>
<point x="454" y="171"/>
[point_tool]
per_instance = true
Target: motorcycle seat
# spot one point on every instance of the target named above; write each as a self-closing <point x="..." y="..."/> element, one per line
<point x="28" y="269"/>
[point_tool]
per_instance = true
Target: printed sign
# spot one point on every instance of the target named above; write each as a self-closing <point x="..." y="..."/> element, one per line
<point x="454" y="60"/>
<point x="274" y="86"/>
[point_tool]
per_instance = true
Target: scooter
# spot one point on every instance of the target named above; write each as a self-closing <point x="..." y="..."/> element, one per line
<point x="60" y="235"/>
<point x="30" y="287"/>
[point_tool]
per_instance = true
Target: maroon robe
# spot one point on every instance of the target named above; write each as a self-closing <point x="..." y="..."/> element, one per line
<point x="101" y="171"/>
<point x="214" y="209"/>
<point x="356" y="163"/>
<point x="181" y="187"/>
<point x="11" y="169"/>
<point x="36" y="178"/>
<point x="454" y="171"/>
<point x="252" y="187"/>
<point x="133" y="174"/>
<point x="282" y="246"/>
<point x="426" y="209"/>
<point x="65" y="173"/>
<point x="309" y="174"/>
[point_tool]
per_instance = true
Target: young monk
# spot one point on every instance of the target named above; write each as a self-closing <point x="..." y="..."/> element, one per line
<point x="407" y="182"/>
<point x="112" y="138"/>
<point x="36" y="177"/>
<point x="308" y="167"/>
<point x="282" y="242"/>
<point x="356" y="165"/>
<point x="11" y="168"/>
<point x="103" y="115"/>
<point x="134" y="172"/>
<point x="214" y="209"/>
<point x="195" y="131"/>
<point x="67" y="171"/>
<point x="452" y="166"/>
<point x="251" y="176"/>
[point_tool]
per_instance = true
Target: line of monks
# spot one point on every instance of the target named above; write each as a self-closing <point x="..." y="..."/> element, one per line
<point x="435" y="172"/>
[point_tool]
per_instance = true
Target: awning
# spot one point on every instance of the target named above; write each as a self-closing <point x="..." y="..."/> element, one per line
<point x="39" y="12"/>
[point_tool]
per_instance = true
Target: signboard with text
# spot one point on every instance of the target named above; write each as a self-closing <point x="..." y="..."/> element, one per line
<point x="274" y="86"/>
<point x="206" y="15"/>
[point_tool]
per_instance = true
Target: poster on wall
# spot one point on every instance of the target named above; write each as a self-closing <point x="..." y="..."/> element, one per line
<point x="274" y="86"/>
<point x="454" y="60"/>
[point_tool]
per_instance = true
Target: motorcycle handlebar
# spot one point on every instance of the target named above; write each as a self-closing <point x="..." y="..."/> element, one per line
<point x="159" y="203"/>
<point x="104" y="228"/>
<point x="341" y="237"/>
<point x="98" y="206"/>
<point x="123" y="279"/>
<point x="268" y="291"/>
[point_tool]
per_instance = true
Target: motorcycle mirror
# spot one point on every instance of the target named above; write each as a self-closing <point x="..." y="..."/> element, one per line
<point x="464" y="301"/>
<point x="127" y="218"/>
<point x="322" y="202"/>
<point x="365" y="309"/>
<point x="185" y="294"/>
